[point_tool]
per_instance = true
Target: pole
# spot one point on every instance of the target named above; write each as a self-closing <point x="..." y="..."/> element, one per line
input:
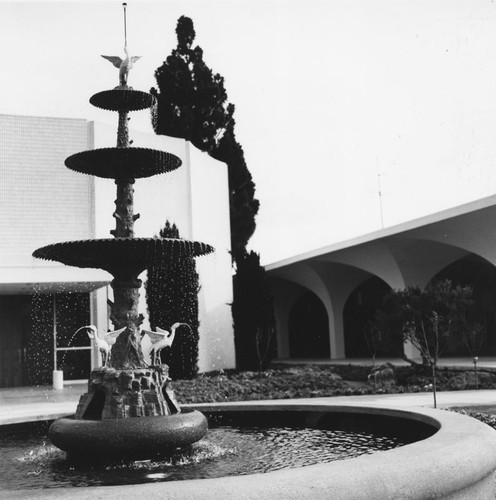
<point x="124" y="5"/>
<point x="475" y="372"/>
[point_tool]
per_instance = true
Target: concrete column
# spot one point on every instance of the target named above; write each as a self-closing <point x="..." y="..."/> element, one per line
<point x="336" y="331"/>
<point x="410" y="351"/>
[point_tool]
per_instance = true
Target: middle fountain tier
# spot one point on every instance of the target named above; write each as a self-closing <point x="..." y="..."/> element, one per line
<point x="130" y="408"/>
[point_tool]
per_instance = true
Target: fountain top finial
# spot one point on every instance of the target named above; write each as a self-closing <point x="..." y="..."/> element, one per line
<point x="124" y="65"/>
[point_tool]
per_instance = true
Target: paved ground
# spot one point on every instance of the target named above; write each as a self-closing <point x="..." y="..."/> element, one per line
<point x="28" y="404"/>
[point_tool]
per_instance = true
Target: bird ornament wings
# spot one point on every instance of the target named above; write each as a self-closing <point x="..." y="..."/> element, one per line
<point x="115" y="60"/>
<point x="155" y="336"/>
<point x="111" y="337"/>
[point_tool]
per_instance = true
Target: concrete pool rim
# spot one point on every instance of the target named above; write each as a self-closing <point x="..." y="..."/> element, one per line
<point x="458" y="461"/>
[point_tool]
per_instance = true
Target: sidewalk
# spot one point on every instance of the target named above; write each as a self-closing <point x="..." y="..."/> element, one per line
<point x="30" y="404"/>
<point x="488" y="362"/>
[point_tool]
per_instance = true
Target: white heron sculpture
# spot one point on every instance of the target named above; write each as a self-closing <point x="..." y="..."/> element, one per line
<point x="124" y="65"/>
<point x="161" y="339"/>
<point x="102" y="345"/>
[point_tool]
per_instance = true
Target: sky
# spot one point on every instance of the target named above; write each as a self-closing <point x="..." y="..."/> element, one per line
<point x="353" y="114"/>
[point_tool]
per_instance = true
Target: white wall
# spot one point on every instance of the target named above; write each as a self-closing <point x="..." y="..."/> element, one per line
<point x="195" y="198"/>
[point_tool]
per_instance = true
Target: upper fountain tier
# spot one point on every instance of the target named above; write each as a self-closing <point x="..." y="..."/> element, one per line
<point x="123" y="163"/>
<point x="123" y="98"/>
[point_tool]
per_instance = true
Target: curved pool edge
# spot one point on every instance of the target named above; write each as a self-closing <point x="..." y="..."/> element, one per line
<point x="457" y="462"/>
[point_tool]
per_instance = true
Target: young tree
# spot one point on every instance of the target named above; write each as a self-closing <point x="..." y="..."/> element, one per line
<point x="374" y="338"/>
<point x="428" y="318"/>
<point x="192" y="104"/>
<point x="474" y="337"/>
<point x="172" y="296"/>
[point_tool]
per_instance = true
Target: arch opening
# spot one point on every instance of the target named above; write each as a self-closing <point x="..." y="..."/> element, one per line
<point x="480" y="274"/>
<point x="309" y="329"/>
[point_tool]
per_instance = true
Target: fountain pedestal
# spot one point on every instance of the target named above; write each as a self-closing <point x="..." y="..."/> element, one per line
<point x="128" y="393"/>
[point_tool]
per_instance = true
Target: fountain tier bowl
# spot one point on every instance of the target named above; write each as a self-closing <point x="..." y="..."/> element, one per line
<point x="116" y="255"/>
<point x="458" y="461"/>
<point x="123" y="163"/>
<point x="123" y="99"/>
<point x="139" y="437"/>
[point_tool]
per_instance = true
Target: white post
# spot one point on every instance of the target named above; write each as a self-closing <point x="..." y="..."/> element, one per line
<point x="58" y="380"/>
<point x="57" y="375"/>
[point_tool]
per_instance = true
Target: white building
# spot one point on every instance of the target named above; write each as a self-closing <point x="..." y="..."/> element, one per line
<point x="43" y="202"/>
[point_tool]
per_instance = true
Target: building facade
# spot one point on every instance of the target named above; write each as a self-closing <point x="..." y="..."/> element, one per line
<point x="42" y="202"/>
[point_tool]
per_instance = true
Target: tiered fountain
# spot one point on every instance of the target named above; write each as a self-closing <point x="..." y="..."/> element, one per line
<point x="129" y="408"/>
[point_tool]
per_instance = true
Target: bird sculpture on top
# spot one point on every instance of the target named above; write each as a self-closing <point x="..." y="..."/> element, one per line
<point x="160" y="339"/>
<point x="124" y="65"/>
<point x="102" y="345"/>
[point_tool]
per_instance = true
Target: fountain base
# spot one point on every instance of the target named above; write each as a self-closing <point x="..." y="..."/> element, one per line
<point x="138" y="438"/>
<point x="127" y="414"/>
<point x="116" y="394"/>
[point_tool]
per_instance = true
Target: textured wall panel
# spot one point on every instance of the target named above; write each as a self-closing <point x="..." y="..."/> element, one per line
<point x="41" y="201"/>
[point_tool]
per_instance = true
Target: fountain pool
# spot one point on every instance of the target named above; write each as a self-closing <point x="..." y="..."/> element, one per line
<point x="441" y="455"/>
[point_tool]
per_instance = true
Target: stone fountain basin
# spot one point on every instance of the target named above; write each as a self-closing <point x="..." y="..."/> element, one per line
<point x="457" y="462"/>
<point x="139" y="437"/>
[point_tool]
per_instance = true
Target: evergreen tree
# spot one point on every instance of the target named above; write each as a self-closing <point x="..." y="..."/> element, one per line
<point x="253" y="316"/>
<point x="172" y="296"/>
<point x="192" y="104"/>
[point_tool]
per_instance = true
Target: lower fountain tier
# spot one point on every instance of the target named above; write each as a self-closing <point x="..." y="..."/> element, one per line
<point x="123" y="163"/>
<point x="127" y="414"/>
<point x="122" y="255"/>
<point x="135" y="438"/>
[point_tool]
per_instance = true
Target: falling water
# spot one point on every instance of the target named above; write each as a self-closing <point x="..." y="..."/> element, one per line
<point x="72" y="311"/>
<point x="40" y="344"/>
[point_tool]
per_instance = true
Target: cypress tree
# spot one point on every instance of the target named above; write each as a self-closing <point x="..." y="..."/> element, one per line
<point x="192" y="104"/>
<point x="172" y="296"/>
<point x="253" y="315"/>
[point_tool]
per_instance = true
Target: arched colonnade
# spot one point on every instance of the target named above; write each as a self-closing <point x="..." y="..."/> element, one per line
<point x="410" y="254"/>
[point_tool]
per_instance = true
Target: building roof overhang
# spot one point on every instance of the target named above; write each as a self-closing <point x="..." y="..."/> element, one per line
<point x="50" y="279"/>
<point x="477" y="218"/>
